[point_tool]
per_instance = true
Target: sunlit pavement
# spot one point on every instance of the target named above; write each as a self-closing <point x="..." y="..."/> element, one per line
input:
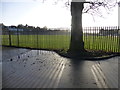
<point x="45" y="69"/>
<point x="107" y="72"/>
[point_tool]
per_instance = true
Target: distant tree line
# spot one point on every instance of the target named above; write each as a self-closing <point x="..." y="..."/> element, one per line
<point x="26" y="29"/>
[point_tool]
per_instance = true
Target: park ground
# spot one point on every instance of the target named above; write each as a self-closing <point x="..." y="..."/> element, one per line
<point x="25" y="68"/>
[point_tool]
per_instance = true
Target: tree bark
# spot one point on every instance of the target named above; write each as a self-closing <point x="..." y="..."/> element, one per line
<point x="76" y="44"/>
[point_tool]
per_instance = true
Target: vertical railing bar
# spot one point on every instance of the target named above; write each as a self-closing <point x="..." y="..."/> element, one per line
<point x="103" y="37"/>
<point x="93" y="37"/>
<point x="107" y="49"/>
<point x="85" y="37"/>
<point x="98" y="37"/>
<point x="115" y="37"/>
<point x="89" y="36"/>
<point x="35" y="44"/>
<point x="17" y="38"/>
<point x="37" y="37"/>
<point x="92" y="33"/>
<point x="29" y="36"/>
<point x="114" y="33"/>
<point x="111" y="40"/>
<point x="97" y="45"/>
<point x="108" y="37"/>
<point x="10" y="38"/>
<point x="26" y="36"/>
<point x="49" y="38"/>
<point x="118" y="38"/>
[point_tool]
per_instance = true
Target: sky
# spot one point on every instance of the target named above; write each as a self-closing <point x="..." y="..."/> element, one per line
<point x="36" y="13"/>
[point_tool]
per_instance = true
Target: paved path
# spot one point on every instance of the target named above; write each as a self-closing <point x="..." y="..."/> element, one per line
<point x="45" y="69"/>
<point x="110" y="69"/>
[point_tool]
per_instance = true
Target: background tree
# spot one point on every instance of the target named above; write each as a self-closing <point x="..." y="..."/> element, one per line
<point x="45" y="28"/>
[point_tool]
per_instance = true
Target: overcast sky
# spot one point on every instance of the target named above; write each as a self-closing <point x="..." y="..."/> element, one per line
<point x="40" y="14"/>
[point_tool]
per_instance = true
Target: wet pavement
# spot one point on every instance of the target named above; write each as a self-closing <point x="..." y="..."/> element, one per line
<point x="8" y="52"/>
<point x="46" y="69"/>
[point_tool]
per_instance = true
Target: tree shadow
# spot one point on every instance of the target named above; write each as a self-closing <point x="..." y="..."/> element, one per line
<point x="80" y="73"/>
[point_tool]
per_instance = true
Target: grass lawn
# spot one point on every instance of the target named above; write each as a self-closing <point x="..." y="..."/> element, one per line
<point x="56" y="42"/>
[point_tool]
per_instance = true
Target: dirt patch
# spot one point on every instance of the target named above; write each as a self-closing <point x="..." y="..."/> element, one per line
<point x="88" y="55"/>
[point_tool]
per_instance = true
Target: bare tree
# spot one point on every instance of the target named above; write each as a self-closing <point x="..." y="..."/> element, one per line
<point x="78" y="7"/>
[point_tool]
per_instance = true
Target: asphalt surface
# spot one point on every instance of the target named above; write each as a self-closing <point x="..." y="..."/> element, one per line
<point x="22" y="68"/>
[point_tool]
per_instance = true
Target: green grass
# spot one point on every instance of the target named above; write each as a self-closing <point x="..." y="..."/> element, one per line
<point x="105" y="43"/>
<point x="40" y="41"/>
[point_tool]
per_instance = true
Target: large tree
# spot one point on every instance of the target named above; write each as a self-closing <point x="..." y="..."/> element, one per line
<point x="77" y="8"/>
<point x="93" y="7"/>
<point x="76" y="44"/>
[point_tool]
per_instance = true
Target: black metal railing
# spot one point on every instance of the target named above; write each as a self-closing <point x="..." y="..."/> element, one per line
<point x="95" y="38"/>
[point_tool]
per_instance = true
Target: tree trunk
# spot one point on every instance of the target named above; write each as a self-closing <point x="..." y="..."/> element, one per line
<point x="76" y="44"/>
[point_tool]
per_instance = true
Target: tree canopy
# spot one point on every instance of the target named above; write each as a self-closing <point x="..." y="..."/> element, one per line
<point x="93" y="7"/>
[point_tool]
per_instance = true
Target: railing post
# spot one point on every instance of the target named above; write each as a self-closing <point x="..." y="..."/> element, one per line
<point x="9" y="38"/>
<point x="118" y="38"/>
<point x="37" y="37"/>
<point x="17" y="38"/>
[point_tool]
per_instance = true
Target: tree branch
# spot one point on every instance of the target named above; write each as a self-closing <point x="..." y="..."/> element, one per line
<point x="96" y="5"/>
